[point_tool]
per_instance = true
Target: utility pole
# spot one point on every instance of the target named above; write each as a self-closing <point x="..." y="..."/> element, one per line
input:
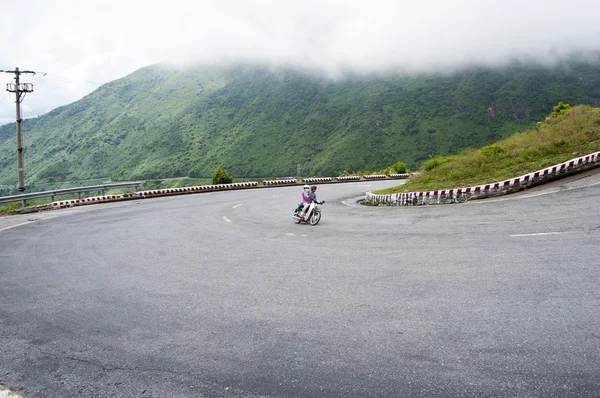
<point x="20" y="89"/>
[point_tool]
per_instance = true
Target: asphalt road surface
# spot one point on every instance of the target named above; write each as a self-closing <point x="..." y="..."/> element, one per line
<point x="222" y="295"/>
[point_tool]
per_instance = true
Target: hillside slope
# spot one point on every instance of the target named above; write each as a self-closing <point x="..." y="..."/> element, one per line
<point x="561" y="137"/>
<point x="160" y="122"/>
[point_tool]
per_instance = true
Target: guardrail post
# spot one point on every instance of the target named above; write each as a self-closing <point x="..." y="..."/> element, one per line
<point x="23" y="204"/>
<point x="78" y="195"/>
<point x="102" y="192"/>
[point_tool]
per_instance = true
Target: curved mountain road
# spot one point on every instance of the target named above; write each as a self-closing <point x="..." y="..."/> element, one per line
<point x="221" y="294"/>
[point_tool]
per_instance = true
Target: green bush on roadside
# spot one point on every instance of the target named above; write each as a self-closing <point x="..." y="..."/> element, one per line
<point x="220" y="176"/>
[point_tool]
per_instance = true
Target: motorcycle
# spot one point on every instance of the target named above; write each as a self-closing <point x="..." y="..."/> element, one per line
<point x="312" y="216"/>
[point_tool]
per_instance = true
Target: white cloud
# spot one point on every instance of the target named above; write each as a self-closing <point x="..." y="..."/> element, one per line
<point x="82" y="44"/>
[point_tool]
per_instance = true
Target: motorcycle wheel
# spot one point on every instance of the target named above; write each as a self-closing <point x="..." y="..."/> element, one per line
<point x="297" y="220"/>
<point x="316" y="217"/>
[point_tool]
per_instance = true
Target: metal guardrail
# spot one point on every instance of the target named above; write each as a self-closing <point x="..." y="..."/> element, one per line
<point x="78" y="190"/>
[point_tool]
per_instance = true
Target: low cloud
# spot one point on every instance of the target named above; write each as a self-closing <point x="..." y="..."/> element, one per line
<point x="81" y="45"/>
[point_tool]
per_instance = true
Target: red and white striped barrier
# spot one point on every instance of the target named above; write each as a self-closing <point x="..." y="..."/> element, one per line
<point x="399" y="175"/>
<point x="291" y="181"/>
<point x="200" y="188"/>
<point x="374" y="177"/>
<point x="92" y="200"/>
<point x="457" y="195"/>
<point x="317" y="179"/>
<point x="150" y="193"/>
<point x="348" y="178"/>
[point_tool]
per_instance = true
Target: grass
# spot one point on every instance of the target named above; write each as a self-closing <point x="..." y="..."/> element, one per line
<point x="9" y="208"/>
<point x="553" y="141"/>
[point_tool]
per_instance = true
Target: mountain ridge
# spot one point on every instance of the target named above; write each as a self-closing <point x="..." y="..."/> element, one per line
<point x="161" y="122"/>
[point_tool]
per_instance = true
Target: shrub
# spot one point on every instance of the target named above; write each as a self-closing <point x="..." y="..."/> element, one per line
<point x="561" y="109"/>
<point x="400" y="168"/>
<point x="220" y="176"/>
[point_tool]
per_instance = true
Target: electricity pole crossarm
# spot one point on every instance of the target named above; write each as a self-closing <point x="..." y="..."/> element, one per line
<point x="20" y="89"/>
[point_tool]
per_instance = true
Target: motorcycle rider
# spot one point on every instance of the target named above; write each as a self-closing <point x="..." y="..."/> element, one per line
<point x="312" y="197"/>
<point x="305" y="198"/>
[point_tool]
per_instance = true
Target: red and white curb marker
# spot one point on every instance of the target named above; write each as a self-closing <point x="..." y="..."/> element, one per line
<point x="147" y="194"/>
<point x="201" y="188"/>
<point x="291" y="181"/>
<point x="91" y="200"/>
<point x="317" y="179"/>
<point x="348" y="178"/>
<point x="462" y="194"/>
<point x="375" y="177"/>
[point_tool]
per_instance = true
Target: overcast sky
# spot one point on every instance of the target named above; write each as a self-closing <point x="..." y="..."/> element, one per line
<point x="83" y="44"/>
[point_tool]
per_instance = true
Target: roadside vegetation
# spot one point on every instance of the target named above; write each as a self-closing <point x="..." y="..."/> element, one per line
<point x="9" y="208"/>
<point x="565" y="134"/>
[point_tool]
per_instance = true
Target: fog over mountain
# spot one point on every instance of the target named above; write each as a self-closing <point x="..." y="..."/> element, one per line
<point x="82" y="45"/>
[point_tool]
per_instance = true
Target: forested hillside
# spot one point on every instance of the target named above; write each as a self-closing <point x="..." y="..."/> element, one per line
<point x="160" y="122"/>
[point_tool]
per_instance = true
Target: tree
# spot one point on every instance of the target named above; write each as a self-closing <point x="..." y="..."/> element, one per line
<point x="220" y="176"/>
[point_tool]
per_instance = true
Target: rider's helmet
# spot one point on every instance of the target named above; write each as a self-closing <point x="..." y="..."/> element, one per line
<point x="313" y="187"/>
<point x="306" y="187"/>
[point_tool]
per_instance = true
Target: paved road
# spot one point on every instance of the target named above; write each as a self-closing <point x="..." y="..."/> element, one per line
<point x="221" y="294"/>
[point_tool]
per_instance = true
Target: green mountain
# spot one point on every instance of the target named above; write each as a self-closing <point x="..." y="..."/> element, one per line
<point x="160" y="122"/>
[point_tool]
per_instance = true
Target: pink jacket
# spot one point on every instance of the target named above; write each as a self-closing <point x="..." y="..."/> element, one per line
<point x="305" y="198"/>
